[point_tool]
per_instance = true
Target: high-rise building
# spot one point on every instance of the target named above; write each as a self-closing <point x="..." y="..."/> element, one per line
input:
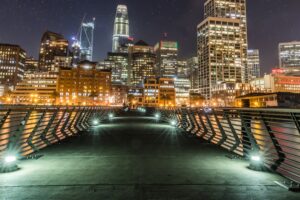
<point x="141" y="62"/>
<point x="253" y="64"/>
<point x="289" y="54"/>
<point x="12" y="64"/>
<point x="84" y="85"/>
<point x="166" y="55"/>
<point x="222" y="44"/>
<point x="193" y="74"/>
<point x="53" y="48"/>
<point x="86" y="40"/>
<point x="121" y="28"/>
<point x="75" y="52"/>
<point x="119" y="67"/>
<point x="31" y="65"/>
<point x="182" y="68"/>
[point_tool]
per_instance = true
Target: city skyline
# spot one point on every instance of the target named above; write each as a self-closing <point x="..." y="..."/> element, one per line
<point x="158" y="17"/>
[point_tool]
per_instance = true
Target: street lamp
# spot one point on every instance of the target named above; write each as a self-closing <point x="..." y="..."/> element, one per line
<point x="96" y="122"/>
<point x="8" y="164"/>
<point x="173" y="123"/>
<point x="110" y="115"/>
<point x="256" y="162"/>
<point x="157" y="115"/>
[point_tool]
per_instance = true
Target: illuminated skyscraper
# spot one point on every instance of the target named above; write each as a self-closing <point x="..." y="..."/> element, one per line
<point x="54" y="52"/>
<point x="12" y="64"/>
<point x="253" y="64"/>
<point x="222" y="44"/>
<point x="121" y="28"/>
<point x="167" y="53"/>
<point x="141" y="62"/>
<point x="289" y="55"/>
<point x="86" y="40"/>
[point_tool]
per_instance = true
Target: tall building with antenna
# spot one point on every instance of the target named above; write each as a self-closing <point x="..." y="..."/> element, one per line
<point x="86" y="40"/>
<point x="121" y="28"/>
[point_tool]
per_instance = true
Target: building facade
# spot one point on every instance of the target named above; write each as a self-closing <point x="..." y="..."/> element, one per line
<point x="289" y="54"/>
<point x="276" y="83"/>
<point x="167" y="56"/>
<point x="121" y="28"/>
<point x="84" y="85"/>
<point x="86" y="40"/>
<point x="263" y="100"/>
<point x="119" y="66"/>
<point x="222" y="44"/>
<point x="142" y="61"/>
<point x="225" y="94"/>
<point x="12" y="64"/>
<point x="253" y="64"/>
<point x="182" y="89"/>
<point x="37" y="88"/>
<point x="53" y="47"/>
<point x="159" y="92"/>
<point x="118" y="93"/>
<point x="193" y="74"/>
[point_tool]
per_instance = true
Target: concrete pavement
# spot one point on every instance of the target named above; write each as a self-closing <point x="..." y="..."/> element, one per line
<point x="133" y="157"/>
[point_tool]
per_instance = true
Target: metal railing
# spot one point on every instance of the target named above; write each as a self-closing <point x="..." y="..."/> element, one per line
<point x="272" y="133"/>
<point x="25" y="130"/>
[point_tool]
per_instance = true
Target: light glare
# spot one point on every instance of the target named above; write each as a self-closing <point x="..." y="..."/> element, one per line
<point x="255" y="158"/>
<point x="10" y="159"/>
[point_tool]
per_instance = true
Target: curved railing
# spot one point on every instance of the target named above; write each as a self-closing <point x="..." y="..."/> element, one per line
<point x="272" y="133"/>
<point x="27" y="129"/>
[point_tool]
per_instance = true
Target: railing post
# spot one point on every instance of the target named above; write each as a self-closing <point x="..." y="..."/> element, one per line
<point x="78" y="121"/>
<point x="2" y="122"/>
<point x="44" y="133"/>
<point x="279" y="151"/>
<point x="73" y="121"/>
<point x="195" y="127"/>
<point x="297" y="123"/>
<point x="14" y="139"/>
<point x="64" y="126"/>
<point x="211" y="127"/>
<point x="248" y="137"/>
<point x="224" y="136"/>
<point x="205" y="131"/>
<point x="236" y="137"/>
<point x="32" y="134"/>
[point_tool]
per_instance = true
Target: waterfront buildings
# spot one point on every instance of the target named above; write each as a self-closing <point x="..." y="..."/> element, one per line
<point x="222" y="44"/>
<point x="54" y="52"/>
<point x="118" y="93"/>
<point x="289" y="55"/>
<point x="182" y="89"/>
<point x="224" y="94"/>
<point x="271" y="83"/>
<point x="84" y="85"/>
<point x="121" y="28"/>
<point x="12" y="64"/>
<point x="37" y="88"/>
<point x="167" y="56"/>
<point x="159" y="92"/>
<point x="253" y="64"/>
<point x="141" y="62"/>
<point x="263" y="100"/>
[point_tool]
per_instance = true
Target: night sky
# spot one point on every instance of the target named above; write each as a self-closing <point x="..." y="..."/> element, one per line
<point x="24" y="21"/>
